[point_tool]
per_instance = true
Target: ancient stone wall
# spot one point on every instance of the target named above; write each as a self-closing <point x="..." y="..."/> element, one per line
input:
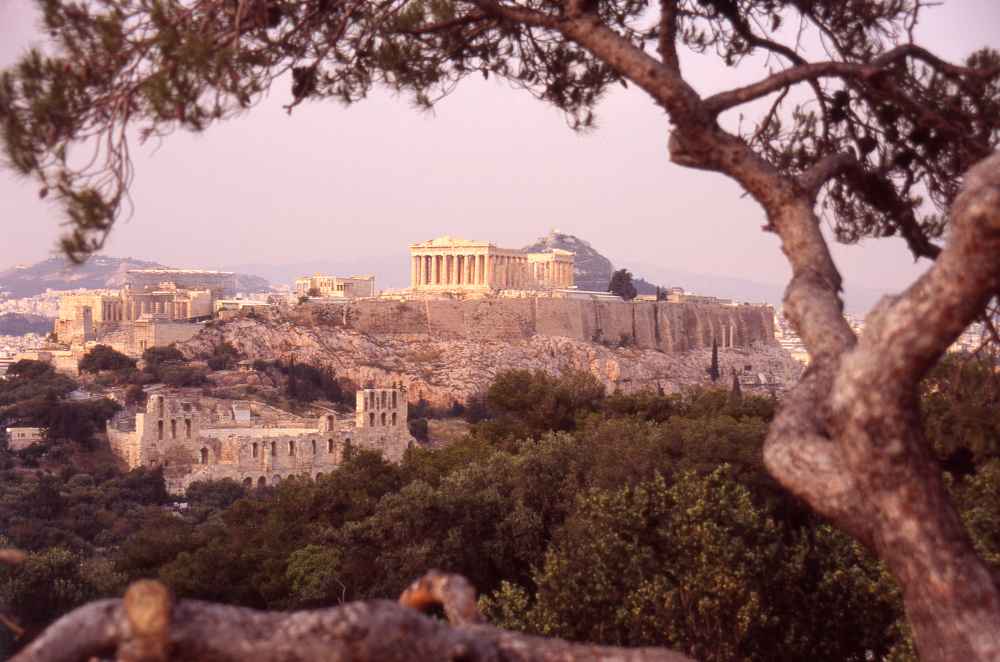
<point x="668" y="327"/>
<point x="193" y="441"/>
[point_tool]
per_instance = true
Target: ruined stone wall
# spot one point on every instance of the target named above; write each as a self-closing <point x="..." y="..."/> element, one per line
<point x="186" y="440"/>
<point x="668" y="327"/>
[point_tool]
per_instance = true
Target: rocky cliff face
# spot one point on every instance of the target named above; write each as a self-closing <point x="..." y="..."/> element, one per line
<point x="445" y="368"/>
<point x="646" y="325"/>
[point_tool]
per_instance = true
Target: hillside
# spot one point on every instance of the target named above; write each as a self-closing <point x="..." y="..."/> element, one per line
<point x="446" y="351"/>
<point x="99" y="272"/>
<point x="17" y="324"/>
<point x="591" y="269"/>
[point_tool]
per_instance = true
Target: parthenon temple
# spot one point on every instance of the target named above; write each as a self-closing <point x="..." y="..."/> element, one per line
<point x="448" y="263"/>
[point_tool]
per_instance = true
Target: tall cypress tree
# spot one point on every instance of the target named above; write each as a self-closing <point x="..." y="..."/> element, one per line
<point x="713" y="370"/>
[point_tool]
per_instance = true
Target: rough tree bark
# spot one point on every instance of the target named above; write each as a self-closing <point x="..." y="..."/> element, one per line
<point x="146" y="626"/>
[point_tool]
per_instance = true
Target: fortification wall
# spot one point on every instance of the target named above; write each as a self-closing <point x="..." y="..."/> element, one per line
<point x="668" y="327"/>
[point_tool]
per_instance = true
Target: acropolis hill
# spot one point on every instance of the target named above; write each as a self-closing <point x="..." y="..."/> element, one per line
<point x="446" y="350"/>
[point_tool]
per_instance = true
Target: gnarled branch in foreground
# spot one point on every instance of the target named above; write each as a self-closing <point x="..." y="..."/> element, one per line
<point x="148" y="626"/>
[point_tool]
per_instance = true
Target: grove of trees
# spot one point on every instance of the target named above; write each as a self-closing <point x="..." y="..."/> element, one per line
<point x="642" y="520"/>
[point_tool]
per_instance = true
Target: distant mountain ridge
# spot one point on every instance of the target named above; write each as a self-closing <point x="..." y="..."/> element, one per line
<point x="99" y="272"/>
<point x="19" y="324"/>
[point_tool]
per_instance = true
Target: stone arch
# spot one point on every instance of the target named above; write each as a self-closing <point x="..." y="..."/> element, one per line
<point x="262" y="482"/>
<point x="203" y="455"/>
<point x="371" y="419"/>
<point x="248" y="482"/>
<point x="329" y="445"/>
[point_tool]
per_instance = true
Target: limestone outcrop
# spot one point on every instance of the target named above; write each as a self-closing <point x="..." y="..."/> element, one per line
<point x="447" y="354"/>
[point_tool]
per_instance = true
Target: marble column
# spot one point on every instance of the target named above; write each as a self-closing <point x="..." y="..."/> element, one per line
<point x="413" y="271"/>
<point x="435" y="274"/>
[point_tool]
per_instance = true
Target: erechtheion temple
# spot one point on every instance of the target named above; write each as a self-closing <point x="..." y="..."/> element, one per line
<point x="196" y="438"/>
<point x="452" y="264"/>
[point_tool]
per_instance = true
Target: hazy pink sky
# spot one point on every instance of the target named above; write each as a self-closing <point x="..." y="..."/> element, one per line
<point x="489" y="163"/>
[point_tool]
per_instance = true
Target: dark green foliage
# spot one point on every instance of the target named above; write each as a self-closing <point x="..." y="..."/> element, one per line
<point x="420" y="409"/>
<point x="102" y="357"/>
<point x="206" y="498"/>
<point x="649" y="520"/>
<point x="155" y="359"/>
<point x="622" y="285"/>
<point x="33" y="380"/>
<point x="183" y="375"/>
<point x="961" y="411"/>
<point x="713" y="369"/>
<point x="223" y="357"/>
<point x="528" y="403"/>
<point x="135" y="395"/>
<point x="418" y="428"/>
<point x="475" y="408"/>
<point x="28" y="369"/>
<point x="307" y="383"/>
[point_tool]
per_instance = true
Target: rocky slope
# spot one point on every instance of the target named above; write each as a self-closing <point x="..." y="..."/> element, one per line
<point x="448" y="371"/>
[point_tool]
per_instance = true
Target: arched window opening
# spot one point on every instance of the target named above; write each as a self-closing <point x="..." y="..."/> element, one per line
<point x="314" y="446"/>
<point x="274" y="449"/>
<point x="262" y="482"/>
<point x="248" y="482"/>
<point x="384" y="399"/>
<point x="383" y="418"/>
<point x="291" y="448"/>
<point x="204" y="455"/>
<point x="371" y="419"/>
<point x="394" y="404"/>
<point x="330" y="422"/>
<point x="187" y="428"/>
<point x="394" y="418"/>
<point x="254" y="450"/>
<point x="159" y="430"/>
<point x="329" y="445"/>
<point x="173" y="428"/>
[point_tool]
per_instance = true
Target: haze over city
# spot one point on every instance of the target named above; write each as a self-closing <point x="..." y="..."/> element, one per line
<point x="348" y="184"/>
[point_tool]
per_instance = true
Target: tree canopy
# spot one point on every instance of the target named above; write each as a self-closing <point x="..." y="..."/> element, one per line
<point x="622" y="285"/>
<point x="869" y="131"/>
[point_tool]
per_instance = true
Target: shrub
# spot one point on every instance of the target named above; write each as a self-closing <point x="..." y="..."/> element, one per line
<point x="102" y="357"/>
